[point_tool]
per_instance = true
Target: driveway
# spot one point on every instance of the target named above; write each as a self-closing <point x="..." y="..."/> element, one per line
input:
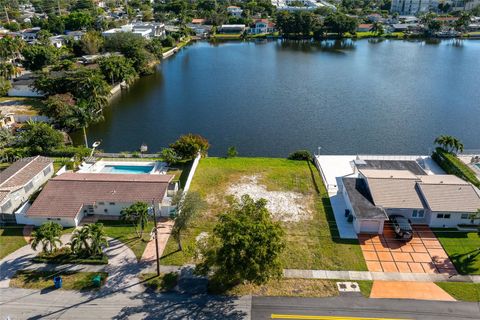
<point x="423" y="254"/>
<point x="122" y="268"/>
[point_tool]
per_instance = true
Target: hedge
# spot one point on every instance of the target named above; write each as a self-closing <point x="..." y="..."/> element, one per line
<point x="452" y="165"/>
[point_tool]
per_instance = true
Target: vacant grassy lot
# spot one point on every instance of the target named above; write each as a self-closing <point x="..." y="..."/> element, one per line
<point x="44" y="280"/>
<point x="463" y="249"/>
<point x="126" y="233"/>
<point x="462" y="291"/>
<point x="311" y="243"/>
<point x="11" y="239"/>
<point x="296" y="288"/>
<point x="164" y="282"/>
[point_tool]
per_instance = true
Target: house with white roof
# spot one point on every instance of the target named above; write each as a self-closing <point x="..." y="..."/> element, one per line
<point x="145" y="30"/>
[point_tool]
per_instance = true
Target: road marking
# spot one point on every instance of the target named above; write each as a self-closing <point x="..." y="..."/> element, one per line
<point x="306" y="317"/>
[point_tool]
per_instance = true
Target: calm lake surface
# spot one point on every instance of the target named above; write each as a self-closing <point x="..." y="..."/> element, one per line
<point x="271" y="98"/>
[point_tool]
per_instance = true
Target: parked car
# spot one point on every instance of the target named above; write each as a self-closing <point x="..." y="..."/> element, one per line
<point x="402" y="227"/>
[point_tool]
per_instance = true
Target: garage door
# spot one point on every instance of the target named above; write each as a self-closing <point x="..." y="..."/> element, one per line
<point x="370" y="226"/>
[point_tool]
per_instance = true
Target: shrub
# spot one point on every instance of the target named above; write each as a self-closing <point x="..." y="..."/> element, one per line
<point x="300" y="155"/>
<point x="232" y="152"/>
<point x="452" y="165"/>
<point x="188" y="146"/>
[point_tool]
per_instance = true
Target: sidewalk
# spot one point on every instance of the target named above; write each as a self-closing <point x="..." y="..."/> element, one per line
<point x="385" y="276"/>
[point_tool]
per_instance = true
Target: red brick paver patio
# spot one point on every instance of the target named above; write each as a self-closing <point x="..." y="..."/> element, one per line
<point x="423" y="254"/>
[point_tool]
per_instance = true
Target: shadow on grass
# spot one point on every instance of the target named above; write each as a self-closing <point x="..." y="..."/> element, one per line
<point x="314" y="180"/>
<point x="465" y="263"/>
<point x="332" y="225"/>
<point x="169" y="254"/>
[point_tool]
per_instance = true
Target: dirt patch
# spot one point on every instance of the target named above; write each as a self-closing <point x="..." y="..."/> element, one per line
<point x="17" y="106"/>
<point x="284" y="206"/>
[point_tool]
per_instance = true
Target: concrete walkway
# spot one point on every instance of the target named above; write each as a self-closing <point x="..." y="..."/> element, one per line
<point x="164" y="229"/>
<point x="385" y="276"/>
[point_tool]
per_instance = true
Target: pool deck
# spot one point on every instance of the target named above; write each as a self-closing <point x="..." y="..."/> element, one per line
<point x="333" y="167"/>
<point x="100" y="166"/>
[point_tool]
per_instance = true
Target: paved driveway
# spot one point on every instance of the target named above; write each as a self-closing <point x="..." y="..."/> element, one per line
<point x="423" y="254"/>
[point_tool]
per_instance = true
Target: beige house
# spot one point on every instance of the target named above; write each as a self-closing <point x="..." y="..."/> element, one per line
<point x="71" y="197"/>
<point x="440" y="201"/>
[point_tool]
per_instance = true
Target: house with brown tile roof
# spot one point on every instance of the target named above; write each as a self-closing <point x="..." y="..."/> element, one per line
<point x="441" y="201"/>
<point x="20" y="180"/>
<point x="71" y="197"/>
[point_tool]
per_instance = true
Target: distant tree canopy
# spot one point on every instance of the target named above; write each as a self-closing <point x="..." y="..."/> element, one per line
<point x="38" y="56"/>
<point x="40" y="137"/>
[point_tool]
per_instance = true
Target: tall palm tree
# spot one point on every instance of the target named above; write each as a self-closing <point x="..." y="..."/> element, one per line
<point x="48" y="235"/>
<point x="137" y="214"/>
<point x="449" y="143"/>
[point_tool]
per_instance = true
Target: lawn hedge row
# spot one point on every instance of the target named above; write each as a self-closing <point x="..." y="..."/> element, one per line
<point x="452" y="165"/>
<point x="65" y="256"/>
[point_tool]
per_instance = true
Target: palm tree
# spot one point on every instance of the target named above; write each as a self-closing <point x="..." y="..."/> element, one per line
<point x="449" y="143"/>
<point x="80" y="241"/>
<point x="82" y="116"/>
<point x="98" y="238"/>
<point x="48" y="235"/>
<point x="377" y="28"/>
<point x="137" y="214"/>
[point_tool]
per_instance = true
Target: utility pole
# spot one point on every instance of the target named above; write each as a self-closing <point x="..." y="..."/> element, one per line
<point x="156" y="237"/>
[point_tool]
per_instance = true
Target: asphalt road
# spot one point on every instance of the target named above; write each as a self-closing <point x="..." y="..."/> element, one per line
<point x="359" y="307"/>
<point x="34" y="304"/>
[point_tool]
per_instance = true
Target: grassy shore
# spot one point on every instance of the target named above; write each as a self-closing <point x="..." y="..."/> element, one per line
<point x="311" y="244"/>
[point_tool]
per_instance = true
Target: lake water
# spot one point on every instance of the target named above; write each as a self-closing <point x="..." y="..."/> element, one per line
<point x="271" y="98"/>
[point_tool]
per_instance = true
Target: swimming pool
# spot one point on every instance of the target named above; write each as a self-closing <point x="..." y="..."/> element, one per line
<point x="478" y="165"/>
<point x="129" y="169"/>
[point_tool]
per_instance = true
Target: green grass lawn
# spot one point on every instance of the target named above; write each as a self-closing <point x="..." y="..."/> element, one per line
<point x="462" y="291"/>
<point x="463" y="249"/>
<point x="126" y="233"/>
<point x="11" y="239"/>
<point x="44" y="280"/>
<point x="162" y="283"/>
<point x="311" y="244"/>
<point x="227" y="36"/>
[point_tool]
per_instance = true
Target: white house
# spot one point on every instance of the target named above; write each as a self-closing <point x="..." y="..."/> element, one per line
<point x="20" y="180"/>
<point x="262" y="26"/>
<point x="235" y="11"/>
<point x="232" y="28"/>
<point x="71" y="197"/>
<point x="443" y="201"/>
<point x="146" y="30"/>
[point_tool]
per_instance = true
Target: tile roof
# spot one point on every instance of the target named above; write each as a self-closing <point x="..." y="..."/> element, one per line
<point x="114" y="177"/>
<point x="65" y="195"/>
<point x="442" y="179"/>
<point x="22" y="171"/>
<point x="450" y="197"/>
<point x="395" y="193"/>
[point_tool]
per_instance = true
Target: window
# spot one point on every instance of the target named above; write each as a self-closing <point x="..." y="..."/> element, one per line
<point x="47" y="170"/>
<point x="465" y="216"/>
<point x="29" y="187"/>
<point x="112" y="203"/>
<point x="7" y="205"/>
<point x="443" y="216"/>
<point x="418" y="213"/>
<point x="101" y="203"/>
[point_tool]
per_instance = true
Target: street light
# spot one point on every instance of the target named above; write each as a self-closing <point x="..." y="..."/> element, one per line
<point x="94" y="146"/>
<point x="319" y="148"/>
